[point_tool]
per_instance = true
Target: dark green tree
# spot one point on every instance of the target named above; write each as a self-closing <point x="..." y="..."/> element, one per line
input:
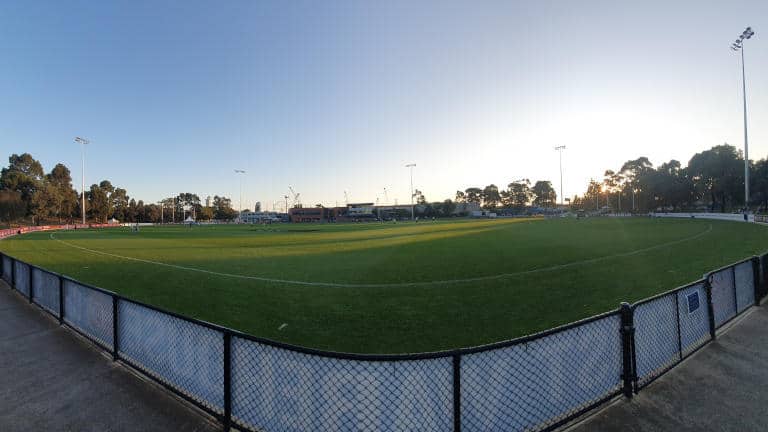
<point x="718" y="176"/>
<point x="491" y="197"/>
<point x="544" y="194"/>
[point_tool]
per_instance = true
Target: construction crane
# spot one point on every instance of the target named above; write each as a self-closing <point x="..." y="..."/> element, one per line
<point x="295" y="197"/>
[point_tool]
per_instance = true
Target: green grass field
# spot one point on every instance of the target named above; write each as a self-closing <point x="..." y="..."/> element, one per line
<point x="384" y="288"/>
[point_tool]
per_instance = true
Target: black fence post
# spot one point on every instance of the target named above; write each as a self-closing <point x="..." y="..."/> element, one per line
<point x="735" y="291"/>
<point x="61" y="300"/>
<point x="30" y="285"/>
<point x="457" y="393"/>
<point x="13" y="274"/>
<point x="679" y="333"/>
<point x="115" y="342"/>
<point x="710" y="306"/>
<point x="757" y="283"/>
<point x="627" y="345"/>
<point x="227" y="381"/>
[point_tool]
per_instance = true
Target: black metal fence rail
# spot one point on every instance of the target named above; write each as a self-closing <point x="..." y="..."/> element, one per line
<point x="532" y="383"/>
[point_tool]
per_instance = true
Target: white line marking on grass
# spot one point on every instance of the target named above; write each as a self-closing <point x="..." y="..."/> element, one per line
<point x="282" y="326"/>
<point x="400" y="284"/>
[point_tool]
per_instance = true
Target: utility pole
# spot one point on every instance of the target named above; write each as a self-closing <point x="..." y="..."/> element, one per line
<point x="738" y="45"/>
<point x="560" y="151"/>
<point x="82" y="142"/>
<point x="413" y="213"/>
<point x="240" y="211"/>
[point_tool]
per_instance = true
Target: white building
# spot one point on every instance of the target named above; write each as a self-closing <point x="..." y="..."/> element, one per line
<point x="259" y="217"/>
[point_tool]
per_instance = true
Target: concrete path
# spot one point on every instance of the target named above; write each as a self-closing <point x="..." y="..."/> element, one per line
<point x="723" y="387"/>
<point x="51" y="380"/>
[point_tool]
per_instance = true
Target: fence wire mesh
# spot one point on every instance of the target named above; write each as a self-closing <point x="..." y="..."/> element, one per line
<point x="89" y="311"/>
<point x="275" y="389"/>
<point x="530" y="386"/>
<point x="187" y="356"/>
<point x="657" y="341"/>
<point x="744" y="279"/>
<point x="45" y="290"/>
<point x="694" y="317"/>
<point x="723" y="295"/>
<point x="21" y="277"/>
<point x="7" y="263"/>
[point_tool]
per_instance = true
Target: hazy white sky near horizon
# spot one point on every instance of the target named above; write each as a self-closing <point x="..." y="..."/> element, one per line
<point x="341" y="97"/>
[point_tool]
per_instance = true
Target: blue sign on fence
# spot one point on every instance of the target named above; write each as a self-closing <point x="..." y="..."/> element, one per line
<point x="693" y="302"/>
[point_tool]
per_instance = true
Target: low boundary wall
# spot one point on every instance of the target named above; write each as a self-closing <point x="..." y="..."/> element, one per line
<point x="733" y="217"/>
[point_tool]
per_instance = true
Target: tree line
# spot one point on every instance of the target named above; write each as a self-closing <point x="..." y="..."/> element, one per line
<point x="518" y="195"/>
<point x="713" y="180"/>
<point x="28" y="193"/>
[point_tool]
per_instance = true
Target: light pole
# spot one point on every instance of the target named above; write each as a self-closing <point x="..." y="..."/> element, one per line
<point x="411" y="165"/>
<point x="560" y="151"/>
<point x="83" y="142"/>
<point x="738" y="45"/>
<point x="240" y="212"/>
<point x="161" y="211"/>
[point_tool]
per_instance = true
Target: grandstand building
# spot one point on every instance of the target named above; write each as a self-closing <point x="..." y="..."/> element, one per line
<point x="260" y="217"/>
<point x="363" y="212"/>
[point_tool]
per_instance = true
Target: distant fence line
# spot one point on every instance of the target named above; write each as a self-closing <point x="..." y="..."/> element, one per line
<point x="532" y="383"/>
<point x="733" y="217"/>
<point x="28" y="229"/>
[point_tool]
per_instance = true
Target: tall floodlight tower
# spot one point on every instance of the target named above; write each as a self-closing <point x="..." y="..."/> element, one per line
<point x="411" y="166"/>
<point x="82" y="142"/>
<point x="560" y="151"/>
<point x="738" y="45"/>
<point x="241" y="173"/>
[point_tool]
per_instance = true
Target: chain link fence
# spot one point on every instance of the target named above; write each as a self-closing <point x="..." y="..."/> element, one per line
<point x="45" y="290"/>
<point x="534" y="383"/>
<point x="723" y="290"/>
<point x="744" y="279"/>
<point x="181" y="354"/>
<point x="694" y="318"/>
<point x="277" y="389"/>
<point x="89" y="311"/>
<point x="657" y="337"/>
<point x="21" y="277"/>
<point x="7" y="269"/>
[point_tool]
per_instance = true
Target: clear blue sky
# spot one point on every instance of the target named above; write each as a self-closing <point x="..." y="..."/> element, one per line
<point x="335" y="96"/>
